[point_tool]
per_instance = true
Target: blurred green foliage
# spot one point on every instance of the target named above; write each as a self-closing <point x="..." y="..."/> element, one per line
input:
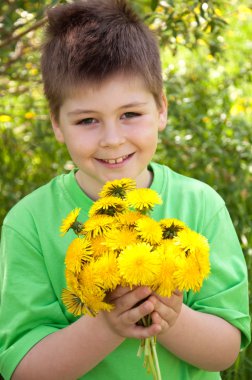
<point x="206" y="48"/>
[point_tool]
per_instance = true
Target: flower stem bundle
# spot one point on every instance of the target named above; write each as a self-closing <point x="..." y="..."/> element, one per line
<point x="120" y="244"/>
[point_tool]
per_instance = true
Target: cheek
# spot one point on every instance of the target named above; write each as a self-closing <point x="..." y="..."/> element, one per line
<point x="146" y="136"/>
<point x="80" y="144"/>
<point x="76" y="148"/>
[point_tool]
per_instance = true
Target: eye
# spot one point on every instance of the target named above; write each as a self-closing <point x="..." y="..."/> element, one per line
<point x="130" y="115"/>
<point x="87" y="121"/>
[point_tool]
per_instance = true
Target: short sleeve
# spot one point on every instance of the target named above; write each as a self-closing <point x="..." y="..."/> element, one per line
<point x="225" y="291"/>
<point x="29" y="308"/>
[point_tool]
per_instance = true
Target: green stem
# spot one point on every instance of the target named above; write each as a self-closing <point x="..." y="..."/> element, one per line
<point x="149" y="359"/>
<point x="156" y="362"/>
<point x="148" y="347"/>
<point x="141" y="348"/>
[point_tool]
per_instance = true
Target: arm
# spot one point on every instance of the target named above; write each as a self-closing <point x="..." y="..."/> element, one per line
<point x="68" y="353"/>
<point x="72" y="351"/>
<point x="203" y="340"/>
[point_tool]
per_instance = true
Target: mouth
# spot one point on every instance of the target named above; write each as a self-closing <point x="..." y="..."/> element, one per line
<point x="118" y="160"/>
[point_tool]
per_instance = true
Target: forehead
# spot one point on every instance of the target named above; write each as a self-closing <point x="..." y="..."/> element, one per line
<point x="118" y="85"/>
<point x="119" y="77"/>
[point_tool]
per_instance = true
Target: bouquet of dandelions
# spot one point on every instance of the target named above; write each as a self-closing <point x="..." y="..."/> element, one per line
<point x="120" y="244"/>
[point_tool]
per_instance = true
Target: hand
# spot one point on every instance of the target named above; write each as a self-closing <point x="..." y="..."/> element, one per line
<point x="130" y="306"/>
<point x="166" y="310"/>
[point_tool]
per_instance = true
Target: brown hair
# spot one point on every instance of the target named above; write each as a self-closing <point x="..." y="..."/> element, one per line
<point x="90" y="40"/>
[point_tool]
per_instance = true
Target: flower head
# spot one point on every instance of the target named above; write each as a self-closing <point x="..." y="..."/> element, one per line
<point x="143" y="200"/>
<point x="138" y="265"/>
<point x="97" y="225"/>
<point x="171" y="227"/>
<point x="107" y="271"/>
<point x="98" y="246"/>
<point x="191" y="241"/>
<point x="164" y="283"/>
<point x="70" y="221"/>
<point x="118" y="188"/>
<point x="118" y="238"/>
<point x="187" y="275"/>
<point x="78" y="252"/>
<point x="194" y="264"/>
<point x="89" y="279"/>
<point x="87" y="303"/>
<point x="73" y="302"/>
<point x="108" y="206"/>
<point x="95" y="302"/>
<point x="149" y="230"/>
<point x="129" y="218"/>
<point x="72" y="281"/>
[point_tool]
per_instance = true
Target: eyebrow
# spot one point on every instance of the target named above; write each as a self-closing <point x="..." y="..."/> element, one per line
<point x="79" y="111"/>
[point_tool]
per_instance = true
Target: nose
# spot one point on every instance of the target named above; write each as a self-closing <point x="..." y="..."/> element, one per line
<point x="112" y="135"/>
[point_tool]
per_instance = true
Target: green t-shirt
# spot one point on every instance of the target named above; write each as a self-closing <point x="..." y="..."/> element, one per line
<point x="32" y="272"/>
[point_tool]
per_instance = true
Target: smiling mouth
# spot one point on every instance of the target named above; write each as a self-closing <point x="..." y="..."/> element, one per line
<point x="118" y="160"/>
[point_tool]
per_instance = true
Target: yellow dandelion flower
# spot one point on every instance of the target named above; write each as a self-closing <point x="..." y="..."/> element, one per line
<point x="143" y="200"/>
<point x="129" y="218"/>
<point x="97" y="225"/>
<point x="71" y="281"/>
<point x="149" y="230"/>
<point x="88" y="279"/>
<point x="98" y="246"/>
<point x="29" y="115"/>
<point x="169" y="247"/>
<point x="73" y="302"/>
<point x="118" y="188"/>
<point x="117" y="239"/>
<point x="85" y="304"/>
<point x="77" y="253"/>
<point x="191" y="241"/>
<point x="203" y="260"/>
<point x="171" y="227"/>
<point x="95" y="302"/>
<point x="138" y="265"/>
<point x="107" y="271"/>
<point x="164" y="283"/>
<point x="188" y="275"/>
<point x="69" y="221"/>
<point x="5" y="118"/>
<point x="194" y="265"/>
<point x="108" y="206"/>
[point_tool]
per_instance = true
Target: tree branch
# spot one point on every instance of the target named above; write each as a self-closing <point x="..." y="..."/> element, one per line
<point x="36" y="25"/>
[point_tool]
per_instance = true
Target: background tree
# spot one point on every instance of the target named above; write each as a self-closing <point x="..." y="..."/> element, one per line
<point x="207" y="73"/>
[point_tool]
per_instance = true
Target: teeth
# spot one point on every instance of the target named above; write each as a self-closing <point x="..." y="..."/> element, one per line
<point x="119" y="160"/>
<point x="116" y="160"/>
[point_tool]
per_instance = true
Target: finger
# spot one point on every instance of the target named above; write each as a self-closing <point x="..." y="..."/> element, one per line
<point x="157" y="320"/>
<point x="155" y="317"/>
<point x="118" y="292"/>
<point x="130" y="299"/>
<point x="132" y="316"/>
<point x="166" y="313"/>
<point x="178" y="293"/>
<point x="174" y="302"/>
<point x="140" y="332"/>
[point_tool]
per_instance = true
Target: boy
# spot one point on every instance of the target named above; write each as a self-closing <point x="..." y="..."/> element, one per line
<point x="102" y="78"/>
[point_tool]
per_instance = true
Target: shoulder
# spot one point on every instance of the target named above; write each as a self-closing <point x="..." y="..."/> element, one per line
<point x="183" y="186"/>
<point x="35" y="202"/>
<point x="186" y="198"/>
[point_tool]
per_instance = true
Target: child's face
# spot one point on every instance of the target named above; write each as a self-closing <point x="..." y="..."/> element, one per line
<point x="111" y="131"/>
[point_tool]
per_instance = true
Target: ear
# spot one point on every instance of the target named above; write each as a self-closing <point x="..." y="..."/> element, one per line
<point x="163" y="111"/>
<point x="57" y="129"/>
